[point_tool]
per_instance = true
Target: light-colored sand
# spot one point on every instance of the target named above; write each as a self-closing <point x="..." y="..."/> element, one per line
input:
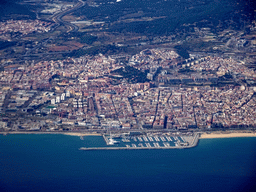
<point x="202" y="136"/>
<point x="226" y="135"/>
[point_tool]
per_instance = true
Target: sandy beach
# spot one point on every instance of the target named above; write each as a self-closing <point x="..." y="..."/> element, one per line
<point x="202" y="135"/>
<point x="227" y="135"/>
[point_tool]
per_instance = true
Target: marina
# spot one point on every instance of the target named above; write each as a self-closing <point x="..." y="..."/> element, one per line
<point x="156" y="138"/>
<point x="145" y="138"/>
<point x="124" y="142"/>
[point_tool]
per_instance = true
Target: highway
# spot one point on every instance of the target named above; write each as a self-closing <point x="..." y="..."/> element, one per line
<point x="57" y="18"/>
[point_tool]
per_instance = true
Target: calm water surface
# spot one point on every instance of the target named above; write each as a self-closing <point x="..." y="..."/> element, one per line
<point x="54" y="163"/>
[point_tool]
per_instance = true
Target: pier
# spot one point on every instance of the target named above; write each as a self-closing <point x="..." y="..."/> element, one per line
<point x="106" y="139"/>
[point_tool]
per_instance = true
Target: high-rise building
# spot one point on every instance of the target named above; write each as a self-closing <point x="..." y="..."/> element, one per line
<point x="58" y="99"/>
<point x="53" y="101"/>
<point x="67" y="94"/>
<point x="62" y="97"/>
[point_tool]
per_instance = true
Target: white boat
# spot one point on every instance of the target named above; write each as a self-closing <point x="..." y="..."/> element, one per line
<point x="112" y="141"/>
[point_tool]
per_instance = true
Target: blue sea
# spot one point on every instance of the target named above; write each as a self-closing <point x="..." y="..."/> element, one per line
<point x="54" y="163"/>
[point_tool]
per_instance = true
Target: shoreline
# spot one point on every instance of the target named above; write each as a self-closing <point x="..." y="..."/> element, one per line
<point x="82" y="134"/>
<point x="205" y="135"/>
<point x="216" y="135"/>
<point x="61" y="133"/>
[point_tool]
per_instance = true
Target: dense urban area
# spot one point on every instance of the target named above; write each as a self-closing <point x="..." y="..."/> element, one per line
<point x="59" y="72"/>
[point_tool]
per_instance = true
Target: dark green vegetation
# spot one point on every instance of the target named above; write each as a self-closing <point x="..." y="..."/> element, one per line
<point x="135" y="25"/>
<point x="193" y="45"/>
<point x="81" y="37"/>
<point x="12" y="9"/>
<point x="133" y="75"/>
<point x="103" y="49"/>
<point x="182" y="51"/>
<point x="88" y="39"/>
<point x="6" y="44"/>
<point x="168" y="16"/>
<point x="185" y="70"/>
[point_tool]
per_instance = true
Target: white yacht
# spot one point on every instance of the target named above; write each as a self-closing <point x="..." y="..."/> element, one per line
<point x="111" y="141"/>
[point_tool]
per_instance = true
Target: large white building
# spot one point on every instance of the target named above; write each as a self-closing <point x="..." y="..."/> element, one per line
<point x="53" y="101"/>
<point x="62" y="97"/>
<point x="67" y="94"/>
<point x="58" y="99"/>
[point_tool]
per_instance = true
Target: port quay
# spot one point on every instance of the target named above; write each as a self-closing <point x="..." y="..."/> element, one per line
<point x="143" y="142"/>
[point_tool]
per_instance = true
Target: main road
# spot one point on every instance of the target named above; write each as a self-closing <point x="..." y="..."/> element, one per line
<point x="57" y="18"/>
